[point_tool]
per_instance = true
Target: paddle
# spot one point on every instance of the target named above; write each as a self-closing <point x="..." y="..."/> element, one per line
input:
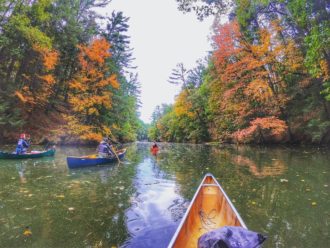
<point x="116" y="156"/>
<point x="46" y="146"/>
<point x="114" y="151"/>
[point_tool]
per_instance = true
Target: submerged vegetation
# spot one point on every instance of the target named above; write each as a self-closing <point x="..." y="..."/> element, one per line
<point x="63" y="76"/>
<point x="267" y="79"/>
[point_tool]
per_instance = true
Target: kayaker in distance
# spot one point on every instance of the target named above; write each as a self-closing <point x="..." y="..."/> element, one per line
<point x="22" y="145"/>
<point x="154" y="148"/>
<point x="105" y="148"/>
<point x="154" y="145"/>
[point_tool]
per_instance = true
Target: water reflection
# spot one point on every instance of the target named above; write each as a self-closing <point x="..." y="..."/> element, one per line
<point x="281" y="192"/>
<point x="149" y="220"/>
<point x="274" y="168"/>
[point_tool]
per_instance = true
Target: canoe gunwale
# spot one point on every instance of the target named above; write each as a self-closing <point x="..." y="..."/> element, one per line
<point x="90" y="160"/>
<point x="183" y="220"/>
<point x="119" y="153"/>
<point x="39" y="154"/>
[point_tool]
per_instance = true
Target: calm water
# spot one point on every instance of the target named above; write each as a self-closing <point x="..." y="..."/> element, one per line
<point x="280" y="192"/>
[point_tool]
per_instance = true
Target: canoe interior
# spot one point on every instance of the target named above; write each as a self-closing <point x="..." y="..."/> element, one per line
<point x="209" y="210"/>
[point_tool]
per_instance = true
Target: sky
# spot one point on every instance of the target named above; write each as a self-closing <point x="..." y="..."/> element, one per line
<point x="161" y="37"/>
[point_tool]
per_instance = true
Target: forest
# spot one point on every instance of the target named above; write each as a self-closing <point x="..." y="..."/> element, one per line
<point x="66" y="73"/>
<point x="267" y="79"/>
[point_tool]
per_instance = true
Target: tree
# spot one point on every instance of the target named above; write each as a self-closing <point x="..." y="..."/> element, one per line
<point x="123" y="117"/>
<point x="90" y="92"/>
<point x="204" y="8"/>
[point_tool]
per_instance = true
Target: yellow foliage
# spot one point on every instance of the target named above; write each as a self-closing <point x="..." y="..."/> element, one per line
<point x="325" y="69"/>
<point x="182" y="105"/>
<point x="259" y="90"/>
<point x="90" y="91"/>
<point x="50" y="57"/>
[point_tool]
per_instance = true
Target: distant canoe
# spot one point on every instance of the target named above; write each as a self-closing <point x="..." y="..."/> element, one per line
<point x="32" y="154"/>
<point x="210" y="209"/>
<point x="92" y="160"/>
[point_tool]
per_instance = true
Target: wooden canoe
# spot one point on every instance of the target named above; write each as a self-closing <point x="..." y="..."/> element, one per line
<point x="209" y="209"/>
<point x="92" y="160"/>
<point x="32" y="154"/>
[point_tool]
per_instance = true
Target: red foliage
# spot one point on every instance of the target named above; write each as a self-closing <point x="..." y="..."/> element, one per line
<point x="262" y="129"/>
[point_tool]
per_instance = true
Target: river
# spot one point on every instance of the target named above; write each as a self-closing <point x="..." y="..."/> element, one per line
<point x="279" y="191"/>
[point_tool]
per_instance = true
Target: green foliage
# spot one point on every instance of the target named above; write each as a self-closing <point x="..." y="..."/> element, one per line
<point x="326" y="91"/>
<point x="284" y="83"/>
<point x="299" y="12"/>
<point x="42" y="36"/>
<point x="317" y="43"/>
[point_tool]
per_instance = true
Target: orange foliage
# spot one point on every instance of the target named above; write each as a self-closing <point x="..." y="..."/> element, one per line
<point x="90" y="91"/>
<point x="50" y="57"/>
<point x="38" y="84"/>
<point x="251" y="77"/>
<point x="325" y="69"/>
<point x="76" y="130"/>
<point x="97" y="52"/>
<point x="262" y="129"/>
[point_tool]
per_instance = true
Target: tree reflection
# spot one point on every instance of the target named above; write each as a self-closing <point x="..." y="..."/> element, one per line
<point x="274" y="168"/>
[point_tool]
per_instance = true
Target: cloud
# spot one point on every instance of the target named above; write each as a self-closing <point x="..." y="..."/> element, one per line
<point x="161" y="37"/>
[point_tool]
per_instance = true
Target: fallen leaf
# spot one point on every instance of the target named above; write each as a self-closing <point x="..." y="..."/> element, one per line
<point x="27" y="232"/>
<point x="60" y="196"/>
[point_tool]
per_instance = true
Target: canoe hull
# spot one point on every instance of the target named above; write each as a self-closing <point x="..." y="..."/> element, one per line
<point x="210" y="209"/>
<point x="40" y="154"/>
<point x="86" y="161"/>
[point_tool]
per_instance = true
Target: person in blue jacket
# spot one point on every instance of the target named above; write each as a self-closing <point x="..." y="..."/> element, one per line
<point x="105" y="149"/>
<point x="22" y="144"/>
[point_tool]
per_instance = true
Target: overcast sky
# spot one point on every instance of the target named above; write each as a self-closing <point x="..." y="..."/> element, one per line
<point x="161" y="37"/>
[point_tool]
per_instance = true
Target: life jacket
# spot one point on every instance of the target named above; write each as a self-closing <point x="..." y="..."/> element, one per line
<point x="22" y="144"/>
<point x="104" y="147"/>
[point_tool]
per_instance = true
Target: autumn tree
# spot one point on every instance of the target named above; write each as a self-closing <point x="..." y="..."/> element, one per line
<point x="90" y="92"/>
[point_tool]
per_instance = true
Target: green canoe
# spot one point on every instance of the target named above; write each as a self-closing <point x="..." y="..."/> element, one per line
<point x="32" y="154"/>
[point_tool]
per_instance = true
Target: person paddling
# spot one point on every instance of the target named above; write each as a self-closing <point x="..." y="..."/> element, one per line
<point x="154" y="149"/>
<point x="105" y="149"/>
<point x="154" y="146"/>
<point x="22" y="144"/>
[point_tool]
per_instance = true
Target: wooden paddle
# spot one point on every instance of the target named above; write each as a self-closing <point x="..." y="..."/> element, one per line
<point x="116" y="155"/>
<point x="113" y="149"/>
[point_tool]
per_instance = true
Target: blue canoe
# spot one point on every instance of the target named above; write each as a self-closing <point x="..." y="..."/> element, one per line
<point x="33" y="154"/>
<point x="92" y="160"/>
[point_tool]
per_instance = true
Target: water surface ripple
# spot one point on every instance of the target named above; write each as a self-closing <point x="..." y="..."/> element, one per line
<point x="281" y="192"/>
